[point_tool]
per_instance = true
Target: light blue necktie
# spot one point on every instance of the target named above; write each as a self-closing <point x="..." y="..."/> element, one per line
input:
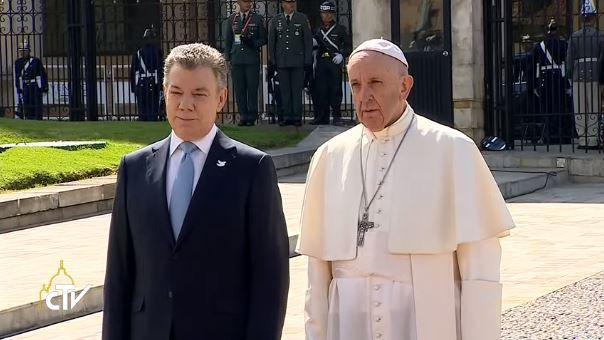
<point x="183" y="188"/>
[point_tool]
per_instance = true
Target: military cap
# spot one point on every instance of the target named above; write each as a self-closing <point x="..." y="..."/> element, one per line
<point x="328" y="6"/>
<point x="24" y="46"/>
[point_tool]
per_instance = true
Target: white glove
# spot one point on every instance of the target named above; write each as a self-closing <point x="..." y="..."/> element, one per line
<point x="338" y="59"/>
<point x="314" y="42"/>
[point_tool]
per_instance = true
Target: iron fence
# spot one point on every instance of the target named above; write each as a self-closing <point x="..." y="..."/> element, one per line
<point x="87" y="46"/>
<point x="544" y="74"/>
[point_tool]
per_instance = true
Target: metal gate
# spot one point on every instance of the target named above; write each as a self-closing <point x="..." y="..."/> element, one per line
<point x="87" y="48"/>
<point x="423" y="30"/>
<point x="534" y="94"/>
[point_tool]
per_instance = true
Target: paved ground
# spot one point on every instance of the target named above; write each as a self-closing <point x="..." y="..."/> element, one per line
<point x="31" y="256"/>
<point x="573" y="312"/>
<point x="556" y="243"/>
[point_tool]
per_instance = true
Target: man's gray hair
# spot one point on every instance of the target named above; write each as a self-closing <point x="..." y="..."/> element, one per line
<point x="192" y="56"/>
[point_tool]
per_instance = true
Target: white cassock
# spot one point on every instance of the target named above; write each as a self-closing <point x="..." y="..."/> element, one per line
<point x="429" y="269"/>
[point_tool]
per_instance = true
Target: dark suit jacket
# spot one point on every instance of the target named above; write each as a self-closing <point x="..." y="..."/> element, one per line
<point x="227" y="275"/>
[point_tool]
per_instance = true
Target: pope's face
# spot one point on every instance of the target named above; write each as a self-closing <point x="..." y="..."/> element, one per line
<point x="193" y="98"/>
<point x="379" y="88"/>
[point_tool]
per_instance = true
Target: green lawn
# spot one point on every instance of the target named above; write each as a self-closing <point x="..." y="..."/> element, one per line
<point x="27" y="168"/>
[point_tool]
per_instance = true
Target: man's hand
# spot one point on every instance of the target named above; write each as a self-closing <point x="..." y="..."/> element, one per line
<point x="337" y="59"/>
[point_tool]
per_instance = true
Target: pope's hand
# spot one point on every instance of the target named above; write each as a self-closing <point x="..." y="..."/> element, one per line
<point x="337" y="59"/>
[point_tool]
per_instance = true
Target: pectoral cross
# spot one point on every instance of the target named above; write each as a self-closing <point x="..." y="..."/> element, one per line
<point x="364" y="226"/>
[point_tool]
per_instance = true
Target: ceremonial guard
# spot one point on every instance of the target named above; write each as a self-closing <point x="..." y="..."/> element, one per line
<point x="552" y="86"/>
<point x="146" y="77"/>
<point x="245" y="34"/>
<point x="584" y="49"/>
<point x="290" y="50"/>
<point x="31" y="82"/>
<point x="333" y="47"/>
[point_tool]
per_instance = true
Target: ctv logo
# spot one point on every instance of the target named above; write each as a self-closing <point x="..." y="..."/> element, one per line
<point x="65" y="291"/>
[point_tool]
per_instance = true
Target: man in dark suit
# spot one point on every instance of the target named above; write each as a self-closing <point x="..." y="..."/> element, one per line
<point x="198" y="245"/>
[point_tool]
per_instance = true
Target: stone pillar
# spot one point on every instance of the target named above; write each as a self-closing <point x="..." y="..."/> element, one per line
<point x="370" y="19"/>
<point x="468" y="67"/>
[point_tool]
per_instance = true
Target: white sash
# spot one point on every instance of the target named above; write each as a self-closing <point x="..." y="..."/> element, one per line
<point x="326" y="37"/>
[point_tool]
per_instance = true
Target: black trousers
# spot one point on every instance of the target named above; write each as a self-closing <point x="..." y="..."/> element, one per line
<point x="327" y="90"/>
<point x="291" y="85"/>
<point x="32" y="102"/>
<point x="246" y="78"/>
<point x="147" y="99"/>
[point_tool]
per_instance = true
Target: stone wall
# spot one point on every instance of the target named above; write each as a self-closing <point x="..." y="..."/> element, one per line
<point x="370" y="19"/>
<point x="468" y="67"/>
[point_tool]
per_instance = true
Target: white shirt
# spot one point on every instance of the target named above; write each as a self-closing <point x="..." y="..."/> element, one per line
<point x="199" y="158"/>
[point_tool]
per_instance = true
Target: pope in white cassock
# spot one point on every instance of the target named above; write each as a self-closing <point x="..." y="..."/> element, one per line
<point x="400" y="221"/>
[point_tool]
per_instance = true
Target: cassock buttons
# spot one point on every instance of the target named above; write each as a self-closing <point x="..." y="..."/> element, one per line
<point x="377" y="304"/>
<point x="378" y="335"/>
<point x="378" y="318"/>
<point x="379" y="211"/>
<point x="376" y="287"/>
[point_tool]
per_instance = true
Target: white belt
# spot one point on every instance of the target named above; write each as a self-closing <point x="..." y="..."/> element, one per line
<point x="587" y="60"/>
<point x="149" y="75"/>
<point x="551" y="67"/>
<point x="29" y="81"/>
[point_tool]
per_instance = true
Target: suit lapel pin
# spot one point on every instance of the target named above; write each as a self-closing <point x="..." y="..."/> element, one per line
<point x="220" y="163"/>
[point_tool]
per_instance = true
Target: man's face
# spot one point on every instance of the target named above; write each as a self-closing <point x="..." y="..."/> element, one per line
<point x="24" y="53"/>
<point x="379" y="89"/>
<point x="244" y="5"/>
<point x="326" y="17"/>
<point x="192" y="101"/>
<point x="288" y="7"/>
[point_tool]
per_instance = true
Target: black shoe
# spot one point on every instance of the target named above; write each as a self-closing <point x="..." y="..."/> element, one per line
<point x="250" y="123"/>
<point x="242" y="123"/>
<point x="283" y="123"/>
<point x="296" y="123"/>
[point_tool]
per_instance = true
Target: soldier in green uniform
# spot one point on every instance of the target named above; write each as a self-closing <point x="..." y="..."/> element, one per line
<point x="245" y="34"/>
<point x="333" y="47"/>
<point x="290" y="50"/>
